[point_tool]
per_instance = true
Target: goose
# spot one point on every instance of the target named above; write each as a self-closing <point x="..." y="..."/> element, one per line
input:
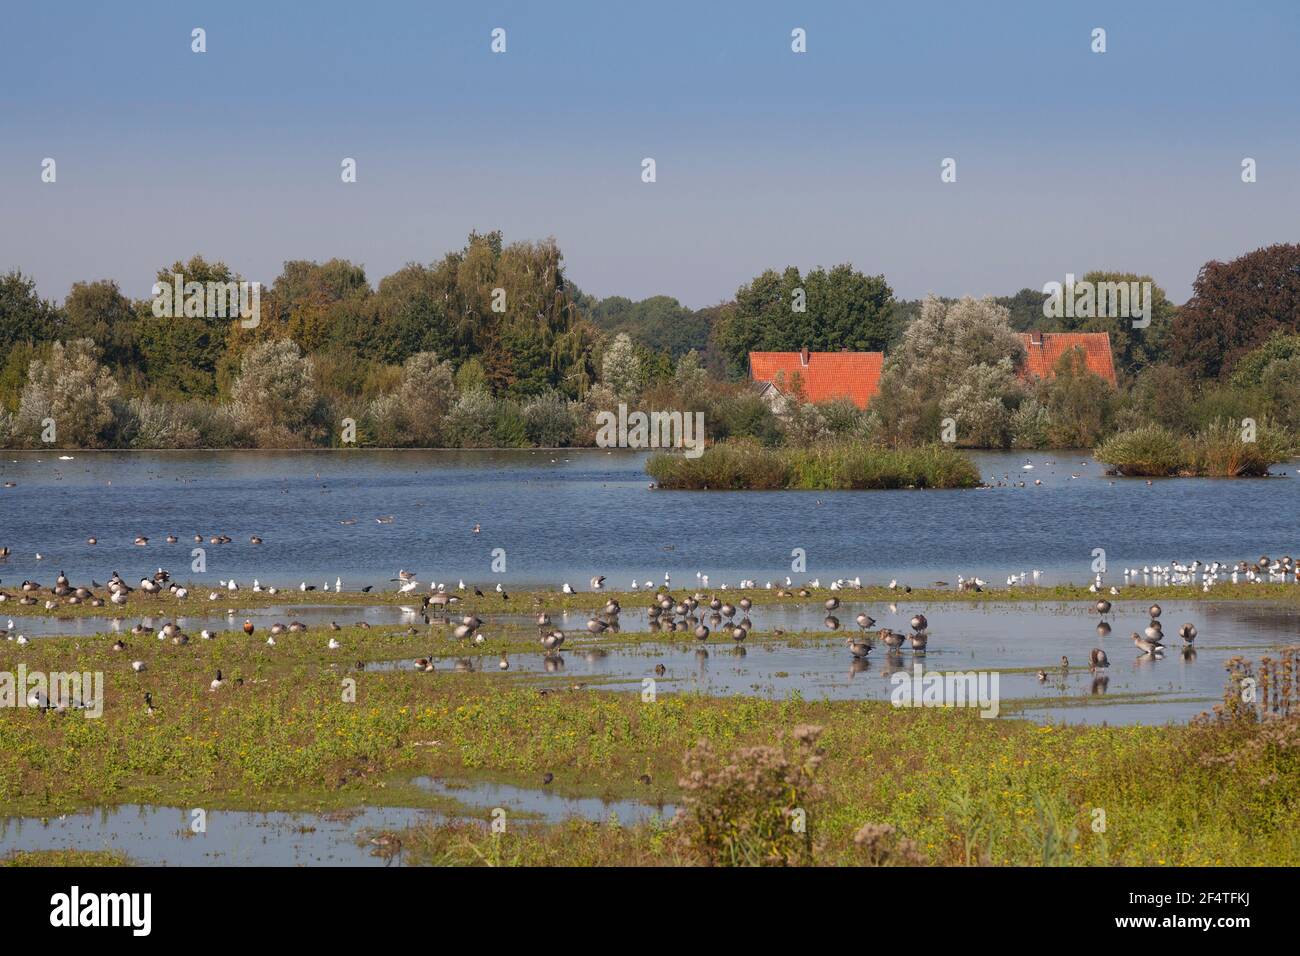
<point x="297" y="627"/>
<point x="138" y="666"/>
<point x="424" y="665"/>
<point x="20" y="640"/>
<point x="919" y="640"/>
<point x="597" y="583"/>
<point x="1042" y="677"/>
<point x="1187" y="632"/>
<point x="858" y="647"/>
<point x="148" y="703"/>
<point x="334" y="645"/>
<point x="866" y="621"/>
<point x="553" y="640"/>
<point x="919" y="623"/>
<point x="1097" y="658"/>
<point x="270" y="641"/>
<point x="832" y="603"/>
<point x="206" y="634"/>
<point x="1103" y="607"/>
<point x="891" y="639"/>
<point x="1155" y="611"/>
<point x="1147" y="646"/>
<point x="504" y="663"/>
<point x="119" y="645"/>
<point x="118" y="598"/>
<point x="217" y="682"/>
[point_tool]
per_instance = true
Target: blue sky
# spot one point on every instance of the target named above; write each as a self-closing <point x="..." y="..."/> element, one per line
<point x="1066" y="160"/>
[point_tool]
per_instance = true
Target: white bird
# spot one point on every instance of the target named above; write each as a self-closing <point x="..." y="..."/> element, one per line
<point x="138" y="666"/>
<point x="271" y="641"/>
<point x="568" y="588"/>
<point x="334" y="645"/>
<point x="217" y="682"/>
<point x="206" y="634"/>
<point x="338" y="584"/>
<point x="21" y="640"/>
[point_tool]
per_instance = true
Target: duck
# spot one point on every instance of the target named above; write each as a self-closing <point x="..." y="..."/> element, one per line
<point x="139" y="667"/>
<point x="424" y="665"/>
<point x="141" y="540"/>
<point x="119" y="645"/>
<point x="249" y="627"/>
<point x="504" y="663"/>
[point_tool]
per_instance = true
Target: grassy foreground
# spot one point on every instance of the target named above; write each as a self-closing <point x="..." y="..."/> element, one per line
<point x="954" y="788"/>
<point x="734" y="466"/>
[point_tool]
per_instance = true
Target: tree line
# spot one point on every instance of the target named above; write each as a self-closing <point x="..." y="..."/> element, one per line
<point x="494" y="345"/>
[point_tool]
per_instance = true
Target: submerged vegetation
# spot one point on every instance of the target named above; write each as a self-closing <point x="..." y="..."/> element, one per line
<point x="1220" y="450"/>
<point x="851" y="466"/>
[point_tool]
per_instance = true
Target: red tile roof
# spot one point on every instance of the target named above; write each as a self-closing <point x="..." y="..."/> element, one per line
<point x="1042" y="356"/>
<point x="853" y="375"/>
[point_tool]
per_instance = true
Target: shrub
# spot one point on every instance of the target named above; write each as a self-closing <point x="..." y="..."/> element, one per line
<point x="549" y="421"/>
<point x="145" y="423"/>
<point x="472" y="420"/>
<point x="74" y="390"/>
<point x="856" y="466"/>
<point x="274" y="398"/>
<point x="1149" y="451"/>
<point x="751" y="808"/>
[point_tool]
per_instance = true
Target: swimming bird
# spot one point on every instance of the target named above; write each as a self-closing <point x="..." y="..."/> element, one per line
<point x="504" y="663"/>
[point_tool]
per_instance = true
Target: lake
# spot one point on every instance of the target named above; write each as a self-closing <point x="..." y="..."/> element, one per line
<point x="568" y="514"/>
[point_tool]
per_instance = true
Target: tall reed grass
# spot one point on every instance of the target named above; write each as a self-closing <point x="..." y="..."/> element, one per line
<point x="1216" y="451"/>
<point x="841" y="466"/>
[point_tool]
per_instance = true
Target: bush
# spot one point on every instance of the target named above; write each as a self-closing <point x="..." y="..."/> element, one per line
<point x="74" y="390"/>
<point x="750" y="809"/>
<point x="274" y="398"/>
<point x="1149" y="451"/>
<point x="1216" y="451"/>
<point x="472" y="420"/>
<point x="549" y="421"/>
<point x="145" y="423"/>
<point x="849" y="466"/>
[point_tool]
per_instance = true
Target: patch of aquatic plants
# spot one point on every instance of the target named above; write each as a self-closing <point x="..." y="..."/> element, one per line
<point x="823" y="467"/>
<point x="1216" y="451"/>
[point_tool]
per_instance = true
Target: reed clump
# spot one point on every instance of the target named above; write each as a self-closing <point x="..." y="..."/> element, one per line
<point x="748" y="466"/>
<point x="1223" y="449"/>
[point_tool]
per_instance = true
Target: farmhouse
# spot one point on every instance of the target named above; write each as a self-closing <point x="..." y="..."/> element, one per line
<point x="1044" y="349"/>
<point x="816" y="376"/>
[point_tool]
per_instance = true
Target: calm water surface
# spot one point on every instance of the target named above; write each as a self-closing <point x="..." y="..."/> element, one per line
<point x="569" y="514"/>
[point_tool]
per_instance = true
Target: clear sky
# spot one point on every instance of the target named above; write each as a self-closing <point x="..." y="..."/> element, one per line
<point x="1067" y="160"/>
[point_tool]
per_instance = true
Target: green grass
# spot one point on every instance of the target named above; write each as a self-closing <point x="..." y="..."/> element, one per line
<point x="851" y="466"/>
<point x="74" y="858"/>
<point x="964" y="789"/>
